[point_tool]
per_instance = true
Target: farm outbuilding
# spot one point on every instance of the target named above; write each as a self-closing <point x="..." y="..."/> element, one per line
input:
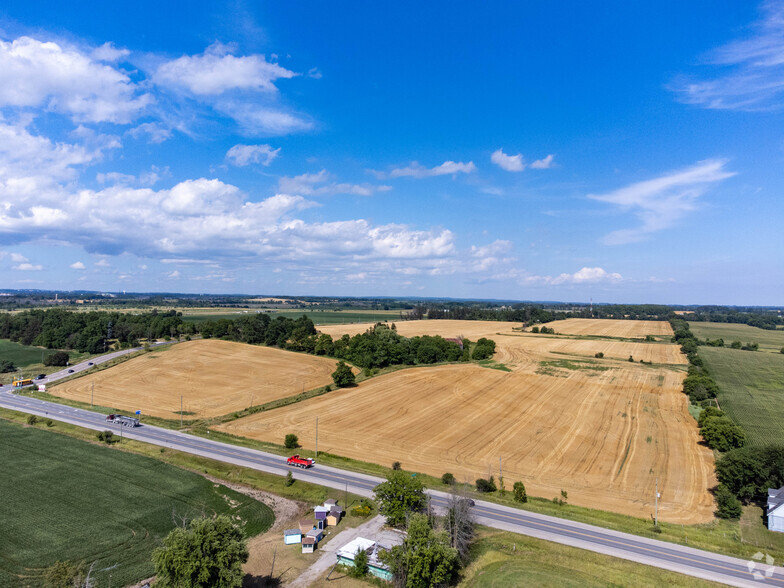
<point x="306" y="525"/>
<point x="347" y="553"/>
<point x="321" y="512"/>
<point x="334" y="516"/>
<point x="292" y="536"/>
<point x="776" y="509"/>
<point x="317" y="534"/>
<point x="308" y="544"/>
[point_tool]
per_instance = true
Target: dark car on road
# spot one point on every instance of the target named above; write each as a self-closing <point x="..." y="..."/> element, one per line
<point x="70" y="371"/>
<point x="90" y="363"/>
<point x="40" y="376"/>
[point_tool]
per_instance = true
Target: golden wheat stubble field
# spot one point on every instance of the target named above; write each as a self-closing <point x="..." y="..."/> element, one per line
<point x="603" y="435"/>
<point x="214" y="378"/>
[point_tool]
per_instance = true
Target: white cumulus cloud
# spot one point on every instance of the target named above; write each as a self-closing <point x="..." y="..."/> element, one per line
<point x="216" y="70"/>
<point x="78" y="265"/>
<point x="544" y="163"/>
<point x="415" y="170"/>
<point x="510" y="163"/>
<point x="35" y="73"/>
<point x="242" y="155"/>
<point x="27" y="267"/>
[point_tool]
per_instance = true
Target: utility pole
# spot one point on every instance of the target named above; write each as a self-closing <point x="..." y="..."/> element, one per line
<point x="656" y="516"/>
<point x="500" y="468"/>
<point x="316" y="436"/>
<point x="92" y="393"/>
<point x="180" y="411"/>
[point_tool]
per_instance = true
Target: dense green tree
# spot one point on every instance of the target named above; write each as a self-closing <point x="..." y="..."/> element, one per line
<point x="360" y="567"/>
<point x="65" y="574"/>
<point x="400" y="495"/>
<point x="448" y="479"/>
<point x="486" y="485"/>
<point x="722" y="434"/>
<point x="519" y="492"/>
<point x="749" y="471"/>
<point x="208" y="553"/>
<point x="291" y="441"/>
<point x="483" y="349"/>
<point x="6" y="366"/>
<point x="728" y="507"/>
<point x="709" y="412"/>
<point x="59" y="359"/>
<point x="425" y="558"/>
<point x="343" y="376"/>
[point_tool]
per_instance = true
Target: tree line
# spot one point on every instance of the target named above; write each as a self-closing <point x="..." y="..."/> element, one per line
<point x="378" y="347"/>
<point x="89" y="332"/>
<point x="744" y="473"/>
<point x="92" y="332"/>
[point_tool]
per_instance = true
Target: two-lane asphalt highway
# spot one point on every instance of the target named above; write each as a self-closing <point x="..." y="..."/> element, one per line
<point x="661" y="554"/>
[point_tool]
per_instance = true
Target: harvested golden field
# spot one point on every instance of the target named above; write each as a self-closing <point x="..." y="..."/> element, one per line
<point x="520" y="350"/>
<point x="602" y="435"/>
<point x="611" y="327"/>
<point x="446" y="328"/>
<point x="214" y="377"/>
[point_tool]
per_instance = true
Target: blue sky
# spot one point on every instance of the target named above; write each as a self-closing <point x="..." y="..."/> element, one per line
<point x="534" y="151"/>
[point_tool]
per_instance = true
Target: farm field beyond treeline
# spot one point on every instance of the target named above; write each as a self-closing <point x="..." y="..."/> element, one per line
<point x="65" y="499"/>
<point x="768" y="340"/>
<point x="751" y="390"/>
<point x="214" y="378"/>
<point x="601" y="429"/>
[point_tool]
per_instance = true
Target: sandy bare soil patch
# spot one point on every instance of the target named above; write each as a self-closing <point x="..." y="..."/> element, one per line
<point x="603" y="436"/>
<point x="214" y="377"/>
<point x="611" y="327"/>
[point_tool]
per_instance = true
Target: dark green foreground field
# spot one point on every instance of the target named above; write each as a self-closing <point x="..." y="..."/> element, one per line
<point x="65" y="499"/>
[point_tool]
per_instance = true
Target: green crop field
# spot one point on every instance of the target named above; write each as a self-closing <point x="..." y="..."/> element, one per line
<point x="751" y="390"/>
<point x="28" y="359"/>
<point x="768" y="340"/>
<point x="65" y="499"/>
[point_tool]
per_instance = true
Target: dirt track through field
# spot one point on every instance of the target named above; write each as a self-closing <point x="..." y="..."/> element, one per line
<point x="214" y="377"/>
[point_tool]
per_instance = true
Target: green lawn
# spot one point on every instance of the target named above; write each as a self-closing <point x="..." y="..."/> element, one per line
<point x="505" y="560"/>
<point x="66" y="499"/>
<point x="751" y="390"/>
<point x="768" y="340"/>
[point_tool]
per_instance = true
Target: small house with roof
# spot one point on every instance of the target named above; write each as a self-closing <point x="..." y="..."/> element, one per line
<point x="321" y="512"/>
<point x="334" y="516"/>
<point x="317" y="534"/>
<point x="308" y="544"/>
<point x="776" y="509"/>
<point x="347" y="553"/>
<point x="292" y="536"/>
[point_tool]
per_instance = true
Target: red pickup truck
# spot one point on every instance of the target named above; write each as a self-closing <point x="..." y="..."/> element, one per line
<point x="300" y="462"/>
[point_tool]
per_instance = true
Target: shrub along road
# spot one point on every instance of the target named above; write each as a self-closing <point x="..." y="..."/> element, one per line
<point x="693" y="562"/>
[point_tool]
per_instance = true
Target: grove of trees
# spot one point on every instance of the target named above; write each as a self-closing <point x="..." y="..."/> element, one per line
<point x="208" y="553"/>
